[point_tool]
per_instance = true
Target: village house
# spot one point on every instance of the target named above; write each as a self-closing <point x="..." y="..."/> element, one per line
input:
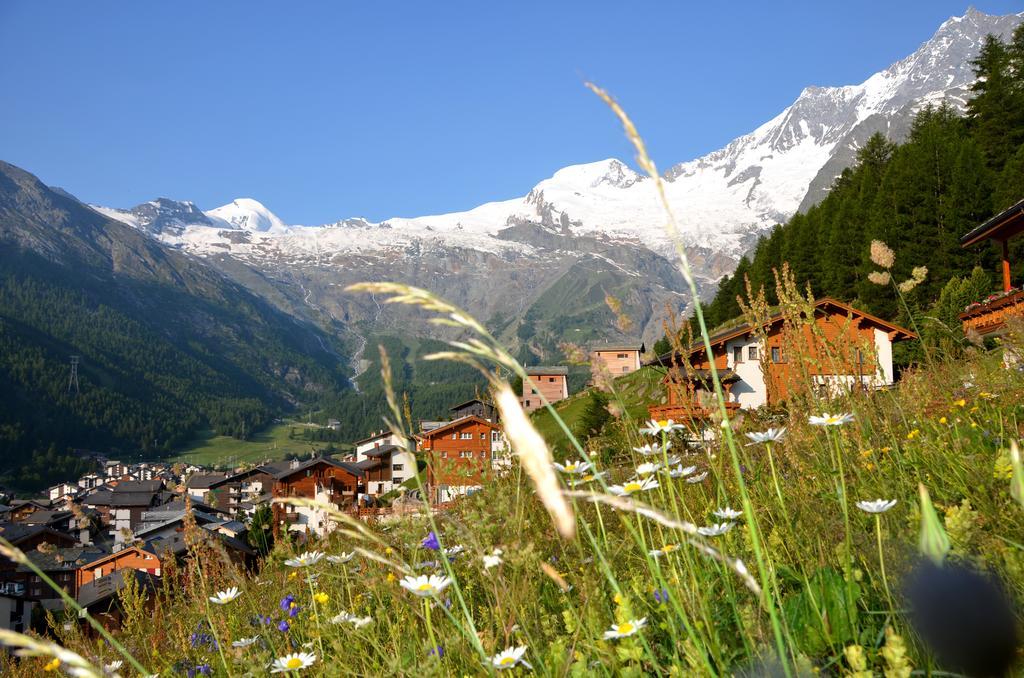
<point x="90" y="481"/>
<point x="130" y="557"/>
<point x="988" y="317"/>
<point x="838" y="349"/>
<point x="62" y="492"/>
<point x="241" y="492"/>
<point x="386" y="460"/>
<point x="618" y="359"/>
<point x="198" y="484"/>
<point x="130" y="499"/>
<point x="321" y="479"/>
<point x="550" y="383"/>
<point x="461" y="456"/>
<point x="476" y="408"/>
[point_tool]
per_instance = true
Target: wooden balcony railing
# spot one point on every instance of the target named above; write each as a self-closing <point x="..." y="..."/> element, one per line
<point x="689" y="413"/>
<point x="991" y="317"/>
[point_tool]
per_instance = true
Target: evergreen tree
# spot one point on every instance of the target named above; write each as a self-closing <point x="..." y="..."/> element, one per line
<point x="1009" y="187"/>
<point x="595" y="415"/>
<point x="990" y="109"/>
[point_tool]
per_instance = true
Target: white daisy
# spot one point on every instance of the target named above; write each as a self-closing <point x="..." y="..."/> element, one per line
<point x="492" y="559"/>
<point x="876" y="506"/>
<point x="360" y="622"/>
<point x="658" y="427"/>
<point x="509" y="657"/>
<point x="772" y="435"/>
<point x="244" y="642"/>
<point x="225" y="597"/>
<point x="625" y="629"/>
<point x="652" y="449"/>
<point x="453" y="551"/>
<point x="680" y="471"/>
<point x="633" y="486"/>
<point x="293" y="662"/>
<point x="728" y="513"/>
<point x="827" y="419"/>
<point x="341" y="618"/>
<point x="574" y="467"/>
<point x="425" y="585"/>
<point x="647" y="469"/>
<point x="342" y="558"/>
<point x="698" y="478"/>
<point x="305" y="560"/>
<point x="588" y="478"/>
<point x="663" y="551"/>
<point x="715" y="530"/>
<point x="113" y="666"/>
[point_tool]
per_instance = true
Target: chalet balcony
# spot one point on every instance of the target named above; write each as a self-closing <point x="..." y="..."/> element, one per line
<point x="689" y="413"/>
<point x="991" y="315"/>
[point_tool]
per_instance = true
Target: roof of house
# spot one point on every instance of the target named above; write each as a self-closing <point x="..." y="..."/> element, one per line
<point x="1004" y="225"/>
<point x="99" y="497"/>
<point x="470" y="402"/>
<point x="384" y="450"/>
<point x="67" y="558"/>
<point x="620" y="347"/>
<point x="373" y="436"/>
<point x="452" y="424"/>
<point x="202" y="481"/>
<point x="540" y="370"/>
<point x="45" y="517"/>
<point x="343" y="465"/>
<point x="743" y="328"/>
<point x="152" y="486"/>
<point x="19" y="532"/>
<point x="242" y="475"/>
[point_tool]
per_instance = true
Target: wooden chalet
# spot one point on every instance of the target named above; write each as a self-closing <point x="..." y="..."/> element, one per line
<point x="618" y="359"/>
<point x="461" y="456"/>
<point x="842" y="348"/>
<point x="322" y="479"/>
<point x="550" y="382"/>
<point x="989" y="317"/>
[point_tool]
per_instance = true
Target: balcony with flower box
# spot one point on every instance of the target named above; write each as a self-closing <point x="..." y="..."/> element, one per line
<point x="990" y="316"/>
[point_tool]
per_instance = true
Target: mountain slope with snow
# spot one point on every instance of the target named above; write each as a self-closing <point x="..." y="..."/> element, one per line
<point x="501" y="255"/>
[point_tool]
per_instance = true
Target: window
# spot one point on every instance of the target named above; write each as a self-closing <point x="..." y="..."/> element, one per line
<point x="622" y="356"/>
<point x="483" y="436"/>
<point x="737" y="355"/>
<point x="483" y="455"/>
<point x="494" y="436"/>
<point x="776" y="354"/>
<point x="455" y="436"/>
<point x="527" y="403"/>
<point x="466" y="435"/>
<point x="533" y="391"/>
<point x="551" y="379"/>
<point x="752" y="353"/>
<point x="397" y="467"/>
<point x="625" y="368"/>
<point x="444" y="455"/>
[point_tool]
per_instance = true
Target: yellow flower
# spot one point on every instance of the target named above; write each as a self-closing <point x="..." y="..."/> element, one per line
<point x="943" y="420"/>
<point x="885" y="449"/>
<point x="974" y="409"/>
<point x="53" y="665"/>
<point x="974" y="424"/>
<point x="388" y="551"/>
<point x="960" y="403"/>
<point x="391" y="577"/>
<point x="913" y="434"/>
<point x="321" y="598"/>
<point x="293" y="575"/>
<point x="866" y="453"/>
<point x="617" y="599"/>
<point x="869" y="466"/>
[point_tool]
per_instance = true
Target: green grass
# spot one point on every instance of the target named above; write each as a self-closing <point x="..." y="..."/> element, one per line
<point x="270" y="444"/>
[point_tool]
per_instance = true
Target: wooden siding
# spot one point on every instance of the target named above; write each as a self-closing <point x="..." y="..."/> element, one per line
<point x="459" y="455"/>
<point x="554" y="387"/>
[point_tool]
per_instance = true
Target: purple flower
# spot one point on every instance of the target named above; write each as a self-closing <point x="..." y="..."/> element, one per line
<point x="200" y="669"/>
<point x="430" y="542"/>
<point x="294" y="611"/>
<point x="661" y="596"/>
<point x="283" y="626"/>
<point x="287" y="601"/>
<point x="439" y="651"/>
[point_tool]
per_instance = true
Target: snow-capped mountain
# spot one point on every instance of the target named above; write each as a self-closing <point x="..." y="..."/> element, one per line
<point x="602" y="215"/>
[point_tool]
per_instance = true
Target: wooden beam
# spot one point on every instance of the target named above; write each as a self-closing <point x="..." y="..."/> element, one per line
<point x="1006" y="266"/>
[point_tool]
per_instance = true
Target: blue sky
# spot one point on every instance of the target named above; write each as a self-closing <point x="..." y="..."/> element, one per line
<point x="323" y="110"/>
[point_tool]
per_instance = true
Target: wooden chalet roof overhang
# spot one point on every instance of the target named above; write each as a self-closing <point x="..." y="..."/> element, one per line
<point x="821" y="306"/>
<point x="351" y="469"/>
<point x="1001" y="228"/>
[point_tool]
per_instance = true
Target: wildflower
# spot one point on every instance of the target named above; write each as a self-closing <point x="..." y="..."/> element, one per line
<point x="225" y="597"/>
<point x="633" y="486"/>
<point x="960" y="403"/>
<point x="52" y="665"/>
<point x="492" y="560"/>
<point x="943" y="420"/>
<point x="913" y="434"/>
<point x="696" y="479"/>
<point x="425" y="585"/>
<point x="772" y="435"/>
<point x="663" y="551"/>
<point x="625" y="629"/>
<point x="680" y="471"/>
<point x="879" y="277"/>
<point x="648" y="450"/>
<point x="728" y="513"/>
<point x="305" y="560"/>
<point x="661" y="595"/>
<point x="647" y="469"/>
<point x="391" y="577"/>
<point x="321" y="598"/>
<point x="830" y="419"/>
<point x="360" y="622"/>
<point x="574" y="467"/>
<point x="388" y="551"/>
<point x="437" y="651"/>
<point x="293" y="575"/>
<point x="342" y="558"/>
<point x="430" y="542"/>
<point x="658" y="427"/>
<point x="876" y="506"/>
<point x="293" y="662"/>
<point x="453" y="551"/>
<point x="715" y="530"/>
<point x="200" y="669"/>
<point x="244" y="642"/>
<point x="113" y="666"/>
<point x="588" y="478"/>
<point x="283" y="626"/>
<point x="509" y="657"/>
<point x="882" y="255"/>
<point x="288" y="602"/>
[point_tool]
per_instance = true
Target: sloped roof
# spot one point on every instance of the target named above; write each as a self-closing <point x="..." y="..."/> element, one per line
<point x="19" y="532"/>
<point x="543" y="371"/>
<point x="343" y="465"/>
<point x="1006" y="224"/>
<point x="452" y="424"/>
<point x="202" y="481"/>
<point x="384" y="450"/>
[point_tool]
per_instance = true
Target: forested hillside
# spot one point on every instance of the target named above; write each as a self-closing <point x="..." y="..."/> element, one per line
<point x="166" y="345"/>
<point x="919" y="197"/>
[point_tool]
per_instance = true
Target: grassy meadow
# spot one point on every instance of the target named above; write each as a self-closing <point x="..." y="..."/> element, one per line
<point x="269" y="444"/>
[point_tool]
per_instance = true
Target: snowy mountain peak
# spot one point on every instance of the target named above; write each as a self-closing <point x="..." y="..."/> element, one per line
<point x="249" y="215"/>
